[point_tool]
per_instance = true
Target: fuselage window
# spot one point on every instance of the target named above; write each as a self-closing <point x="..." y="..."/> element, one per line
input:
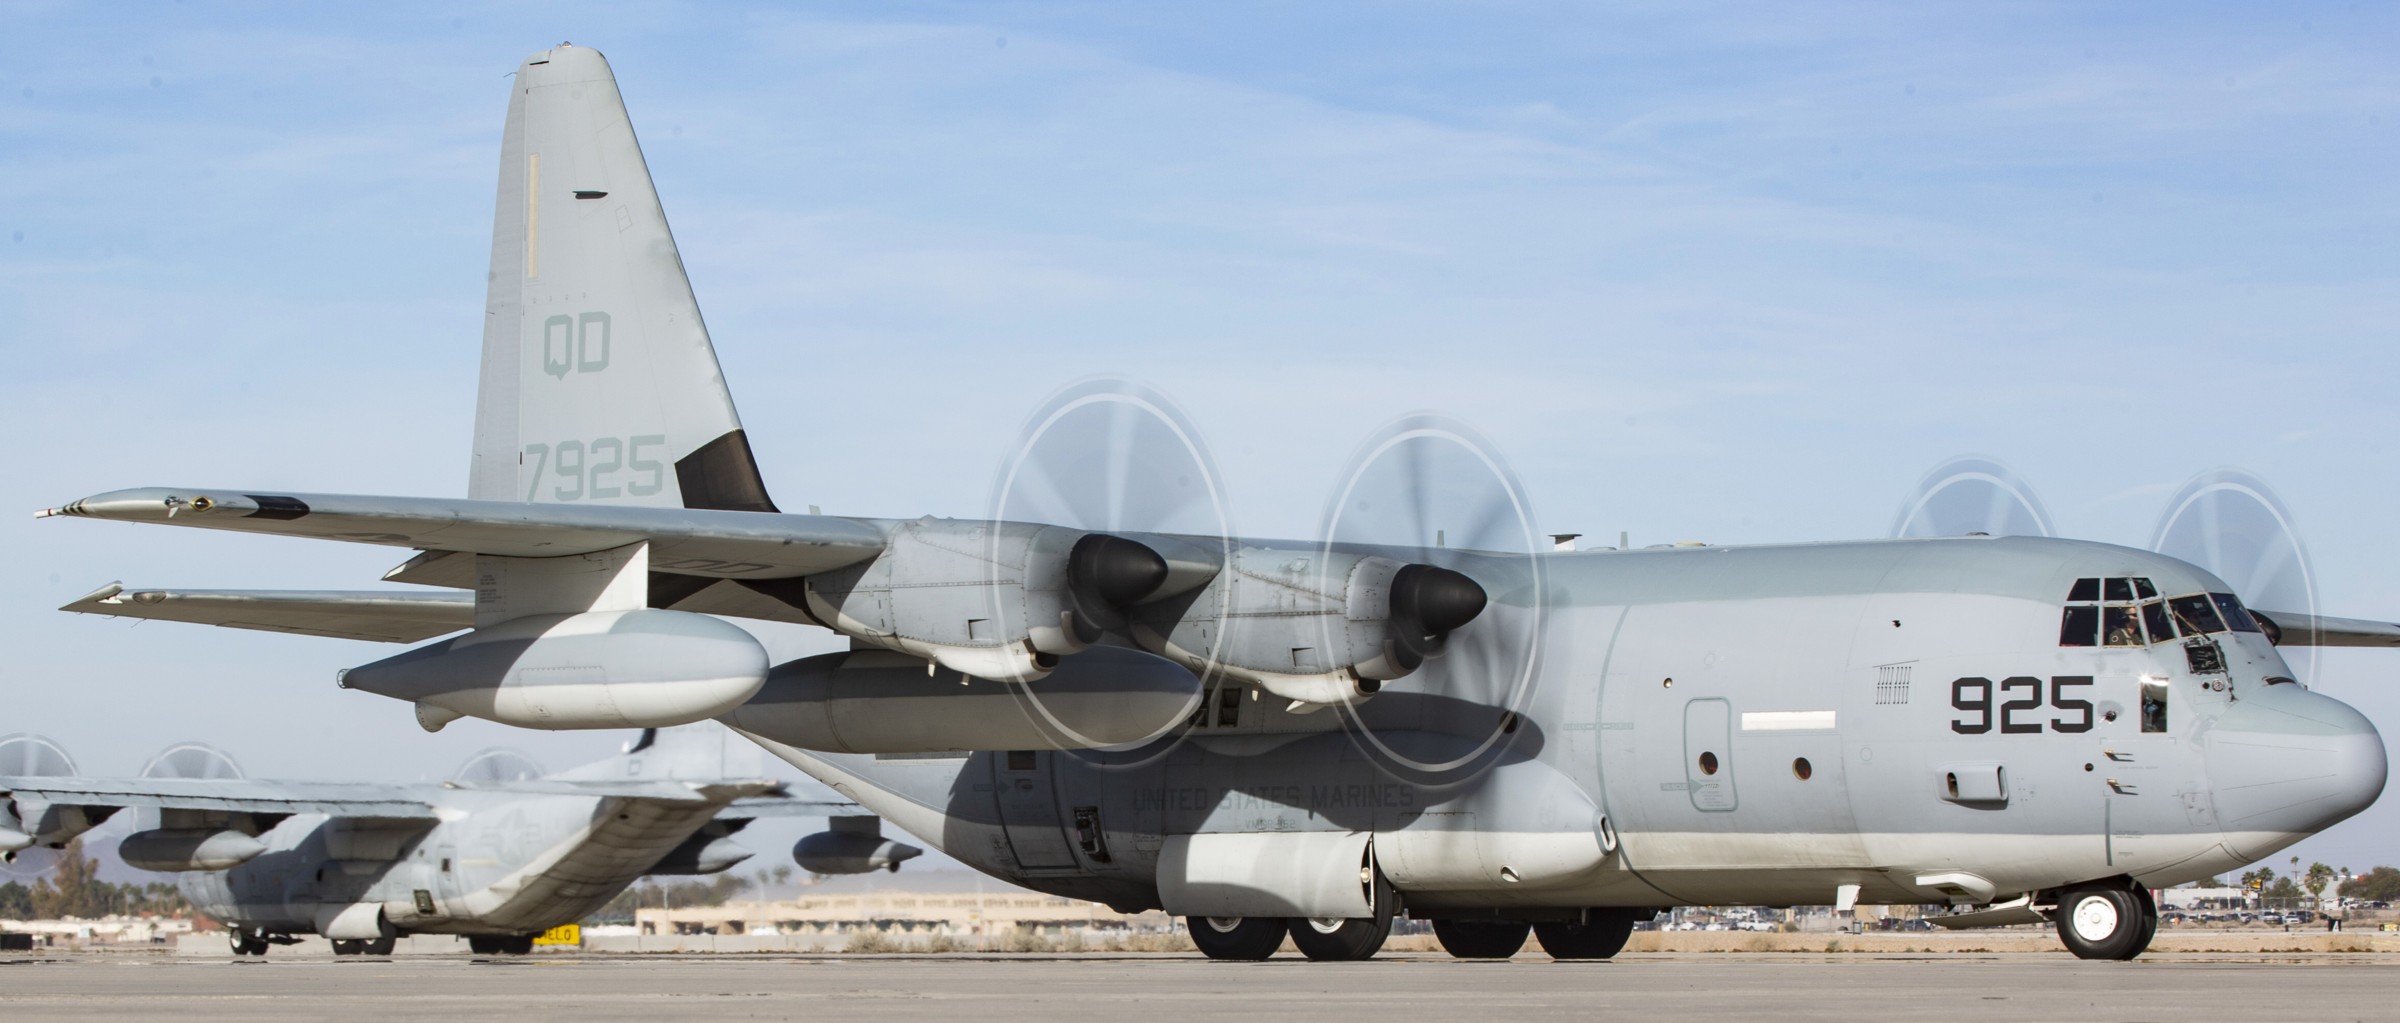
<point x="2120" y="589"/>
<point x="2195" y="615"/>
<point x="2162" y="627"/>
<point x="2119" y="626"/>
<point x="2079" y="626"/>
<point x="2085" y="589"/>
<point x="2236" y="616"/>
<point x="2154" y="706"/>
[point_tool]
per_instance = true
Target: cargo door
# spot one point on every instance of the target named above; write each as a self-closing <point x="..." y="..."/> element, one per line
<point x="1708" y="754"/>
<point x="1027" y="797"/>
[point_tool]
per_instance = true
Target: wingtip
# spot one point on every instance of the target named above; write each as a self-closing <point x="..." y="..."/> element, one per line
<point x="96" y="596"/>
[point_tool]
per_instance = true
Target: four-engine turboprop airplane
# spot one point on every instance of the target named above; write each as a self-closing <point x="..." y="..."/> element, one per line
<point x="1099" y="690"/>
<point x="500" y="853"/>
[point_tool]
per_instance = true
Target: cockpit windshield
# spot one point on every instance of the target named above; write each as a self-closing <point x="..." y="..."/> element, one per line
<point x="2127" y="612"/>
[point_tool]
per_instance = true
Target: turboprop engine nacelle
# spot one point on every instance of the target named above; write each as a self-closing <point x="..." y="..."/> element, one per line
<point x="999" y="600"/>
<point x="600" y="669"/>
<point x="1317" y="626"/>
<point x="874" y="701"/>
<point x="852" y="845"/>
<point x="169" y="850"/>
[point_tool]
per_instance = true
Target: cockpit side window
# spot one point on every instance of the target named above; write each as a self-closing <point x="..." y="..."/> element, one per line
<point x="2079" y="626"/>
<point x="2119" y="626"/>
<point x="2195" y="615"/>
<point x="2236" y="616"/>
<point x="2143" y="589"/>
<point x="2162" y="627"/>
<point x="2085" y="589"/>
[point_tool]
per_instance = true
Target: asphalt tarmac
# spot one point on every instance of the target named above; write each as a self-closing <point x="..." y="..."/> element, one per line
<point x="1158" y="988"/>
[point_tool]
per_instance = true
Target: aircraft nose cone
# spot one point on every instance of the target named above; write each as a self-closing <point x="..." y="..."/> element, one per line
<point x="2286" y="763"/>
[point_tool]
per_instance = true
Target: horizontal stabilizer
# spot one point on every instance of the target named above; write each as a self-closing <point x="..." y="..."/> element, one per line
<point x="683" y="541"/>
<point x="2292" y="628"/>
<point x="337" y="799"/>
<point x="383" y="616"/>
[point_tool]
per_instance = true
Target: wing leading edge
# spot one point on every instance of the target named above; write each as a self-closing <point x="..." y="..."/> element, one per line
<point x="683" y="541"/>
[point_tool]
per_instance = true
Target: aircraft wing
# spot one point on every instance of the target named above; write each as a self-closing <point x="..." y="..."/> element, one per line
<point x="383" y="616"/>
<point x="2296" y="629"/>
<point x="662" y="791"/>
<point x="683" y="541"/>
<point x="792" y="806"/>
<point x="241" y="795"/>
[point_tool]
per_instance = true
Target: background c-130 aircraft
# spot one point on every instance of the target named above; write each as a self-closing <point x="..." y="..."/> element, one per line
<point x="499" y="853"/>
<point x="1099" y="690"/>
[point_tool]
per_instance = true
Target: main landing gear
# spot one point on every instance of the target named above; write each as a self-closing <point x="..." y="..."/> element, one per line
<point x="2107" y="920"/>
<point x="365" y="946"/>
<point x="1599" y="935"/>
<point x="1327" y="939"/>
<point x="507" y="945"/>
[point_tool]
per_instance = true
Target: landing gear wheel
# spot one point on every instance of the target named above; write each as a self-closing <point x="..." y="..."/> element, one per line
<point x="2106" y="921"/>
<point x="1341" y="939"/>
<point x="516" y="945"/>
<point x="1236" y="938"/>
<point x="246" y="943"/>
<point x="1481" y="939"/>
<point x="379" y="946"/>
<point x="483" y="946"/>
<point x="1347" y="939"/>
<point x="345" y="947"/>
<point x="1601" y="935"/>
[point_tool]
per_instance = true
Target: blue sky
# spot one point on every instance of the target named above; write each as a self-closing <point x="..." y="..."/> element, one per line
<point x="1706" y="272"/>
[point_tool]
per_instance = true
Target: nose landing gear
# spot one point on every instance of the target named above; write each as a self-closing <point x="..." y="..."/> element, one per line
<point x="2107" y="920"/>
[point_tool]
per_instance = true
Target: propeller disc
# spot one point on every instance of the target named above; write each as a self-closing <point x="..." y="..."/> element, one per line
<point x="2228" y="522"/>
<point x="498" y="766"/>
<point x="25" y="755"/>
<point x="1468" y="608"/>
<point x="1117" y="458"/>
<point x="1968" y="495"/>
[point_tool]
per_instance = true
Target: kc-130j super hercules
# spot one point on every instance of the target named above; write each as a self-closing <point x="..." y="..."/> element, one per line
<point x="499" y="853"/>
<point x="1099" y="691"/>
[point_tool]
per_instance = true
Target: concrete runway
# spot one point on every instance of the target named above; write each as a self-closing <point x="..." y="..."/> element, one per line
<point x="2315" y="987"/>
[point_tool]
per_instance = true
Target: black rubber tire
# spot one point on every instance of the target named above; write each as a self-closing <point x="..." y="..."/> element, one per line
<point x="1602" y="934"/>
<point x="483" y="946"/>
<point x="1340" y="941"/>
<point x="2106" y="921"/>
<point x="245" y="943"/>
<point x="1236" y="939"/>
<point x="379" y="946"/>
<point x="348" y="947"/>
<point x="1481" y="939"/>
<point x="515" y="945"/>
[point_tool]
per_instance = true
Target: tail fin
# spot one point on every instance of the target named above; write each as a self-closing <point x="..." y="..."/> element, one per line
<point x="702" y="751"/>
<point x="599" y="383"/>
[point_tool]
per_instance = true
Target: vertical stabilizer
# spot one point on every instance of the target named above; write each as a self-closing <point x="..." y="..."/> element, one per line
<point x="599" y="383"/>
<point x="702" y="751"/>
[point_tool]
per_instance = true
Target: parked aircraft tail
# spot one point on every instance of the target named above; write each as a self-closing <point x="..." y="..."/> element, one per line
<point x="599" y="383"/>
<point x="705" y="751"/>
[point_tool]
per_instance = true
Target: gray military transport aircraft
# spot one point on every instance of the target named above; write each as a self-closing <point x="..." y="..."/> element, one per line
<point x="499" y="853"/>
<point x="1100" y="690"/>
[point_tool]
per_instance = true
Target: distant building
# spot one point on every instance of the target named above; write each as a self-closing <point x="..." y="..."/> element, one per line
<point x="964" y="919"/>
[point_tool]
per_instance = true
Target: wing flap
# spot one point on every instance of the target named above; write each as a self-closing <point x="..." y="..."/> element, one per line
<point x="683" y="541"/>
<point x="333" y="799"/>
<point x="381" y="616"/>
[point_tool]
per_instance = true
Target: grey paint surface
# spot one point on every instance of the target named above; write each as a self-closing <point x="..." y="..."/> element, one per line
<point x="1048" y="988"/>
